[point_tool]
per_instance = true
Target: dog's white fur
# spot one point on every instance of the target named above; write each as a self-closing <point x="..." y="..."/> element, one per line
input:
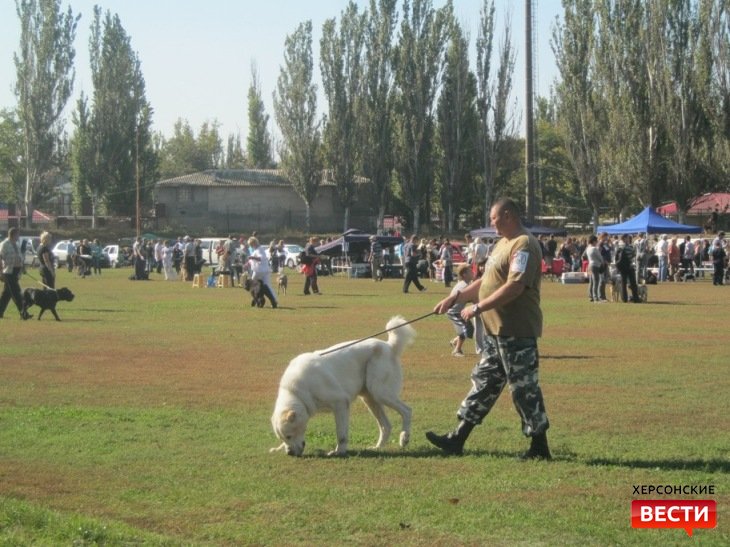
<point x="313" y="382"/>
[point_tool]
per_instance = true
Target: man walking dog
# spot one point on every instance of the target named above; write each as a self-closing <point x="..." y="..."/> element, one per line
<point x="508" y="302"/>
<point x="11" y="264"/>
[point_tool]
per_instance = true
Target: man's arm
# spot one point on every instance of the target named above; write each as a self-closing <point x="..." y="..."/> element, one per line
<point x="469" y="294"/>
<point x="501" y="297"/>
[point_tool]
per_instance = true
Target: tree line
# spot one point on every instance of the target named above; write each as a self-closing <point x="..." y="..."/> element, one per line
<point x="640" y="112"/>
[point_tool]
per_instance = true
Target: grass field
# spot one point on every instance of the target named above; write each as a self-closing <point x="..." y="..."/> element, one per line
<point x="143" y="418"/>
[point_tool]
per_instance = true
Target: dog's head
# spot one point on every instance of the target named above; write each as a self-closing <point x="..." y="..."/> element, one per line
<point x="289" y="426"/>
<point x="65" y="294"/>
<point x="247" y="284"/>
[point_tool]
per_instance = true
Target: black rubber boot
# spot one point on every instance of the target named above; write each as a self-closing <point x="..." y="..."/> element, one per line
<point x="453" y="442"/>
<point x="538" y="449"/>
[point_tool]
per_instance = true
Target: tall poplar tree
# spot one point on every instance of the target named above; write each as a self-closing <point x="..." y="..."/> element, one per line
<point x="419" y="61"/>
<point x="377" y="101"/>
<point x="295" y="106"/>
<point x="45" y="75"/>
<point x="497" y="126"/>
<point x="574" y="45"/>
<point x="341" y="66"/>
<point x="121" y="117"/>
<point x="457" y="126"/>
<point x="258" y="141"/>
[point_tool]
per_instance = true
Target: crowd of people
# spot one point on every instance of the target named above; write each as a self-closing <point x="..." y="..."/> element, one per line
<point x="638" y="259"/>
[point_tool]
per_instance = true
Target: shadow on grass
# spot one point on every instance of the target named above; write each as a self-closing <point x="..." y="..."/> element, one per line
<point x="93" y="310"/>
<point x="710" y="466"/>
<point x="566" y="357"/>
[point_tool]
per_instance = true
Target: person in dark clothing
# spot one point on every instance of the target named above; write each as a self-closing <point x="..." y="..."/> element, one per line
<point x="47" y="266"/>
<point x="625" y="259"/>
<point x="410" y="257"/>
<point x="718" y="263"/>
<point x="309" y="267"/>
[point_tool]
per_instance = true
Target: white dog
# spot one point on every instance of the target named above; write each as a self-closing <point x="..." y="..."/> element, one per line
<point x="312" y="382"/>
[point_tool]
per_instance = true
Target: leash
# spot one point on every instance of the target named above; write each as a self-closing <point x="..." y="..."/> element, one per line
<point x="40" y="282"/>
<point x="338" y="348"/>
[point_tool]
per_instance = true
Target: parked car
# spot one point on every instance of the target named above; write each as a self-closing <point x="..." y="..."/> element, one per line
<point x="60" y="251"/>
<point x="30" y="245"/>
<point x="292" y="254"/>
<point x="115" y="256"/>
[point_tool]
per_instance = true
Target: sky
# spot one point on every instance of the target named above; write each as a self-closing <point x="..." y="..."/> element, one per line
<point x="196" y="55"/>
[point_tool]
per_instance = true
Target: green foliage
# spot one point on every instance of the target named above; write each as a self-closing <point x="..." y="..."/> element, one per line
<point x="235" y="158"/>
<point x="342" y="79"/>
<point x="12" y="172"/>
<point x="496" y="120"/>
<point x="121" y="117"/>
<point x="418" y="65"/>
<point x="376" y="107"/>
<point x="184" y="153"/>
<point x="295" y="105"/>
<point x="457" y="128"/>
<point x="642" y="89"/>
<point x="45" y="74"/>
<point x="258" y="142"/>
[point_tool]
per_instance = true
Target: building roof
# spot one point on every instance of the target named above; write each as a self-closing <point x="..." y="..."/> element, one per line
<point x="39" y="217"/>
<point x="230" y="177"/>
<point x="242" y="177"/>
<point x="700" y="205"/>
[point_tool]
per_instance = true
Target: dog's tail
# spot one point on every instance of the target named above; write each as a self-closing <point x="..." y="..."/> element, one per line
<point x="399" y="337"/>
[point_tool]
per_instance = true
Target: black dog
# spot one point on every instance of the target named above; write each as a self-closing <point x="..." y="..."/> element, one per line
<point x="45" y="299"/>
<point x="256" y="288"/>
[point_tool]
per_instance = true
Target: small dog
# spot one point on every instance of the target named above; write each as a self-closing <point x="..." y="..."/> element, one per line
<point x="613" y="290"/>
<point x="256" y="288"/>
<point x="282" y="283"/>
<point x="46" y="299"/>
<point x="643" y="293"/>
<point x="370" y="368"/>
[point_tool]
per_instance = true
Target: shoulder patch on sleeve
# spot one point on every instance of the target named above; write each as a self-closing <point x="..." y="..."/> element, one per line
<point x="518" y="263"/>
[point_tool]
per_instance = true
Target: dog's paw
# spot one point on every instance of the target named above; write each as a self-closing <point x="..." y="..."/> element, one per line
<point x="405" y="437"/>
<point x="337" y="453"/>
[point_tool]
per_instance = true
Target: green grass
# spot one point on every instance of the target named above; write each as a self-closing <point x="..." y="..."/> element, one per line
<point x="143" y="418"/>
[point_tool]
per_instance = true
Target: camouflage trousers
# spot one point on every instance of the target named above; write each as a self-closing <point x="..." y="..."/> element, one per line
<point x="507" y="360"/>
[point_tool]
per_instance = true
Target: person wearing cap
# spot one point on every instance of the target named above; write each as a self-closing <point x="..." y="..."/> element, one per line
<point x="11" y="265"/>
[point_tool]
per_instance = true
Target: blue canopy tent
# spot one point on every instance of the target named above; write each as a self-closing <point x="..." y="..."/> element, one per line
<point x="649" y="222"/>
<point x="534" y="229"/>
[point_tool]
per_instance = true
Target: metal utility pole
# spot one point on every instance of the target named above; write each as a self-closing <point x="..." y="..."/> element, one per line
<point x="529" y="122"/>
<point x="138" y="213"/>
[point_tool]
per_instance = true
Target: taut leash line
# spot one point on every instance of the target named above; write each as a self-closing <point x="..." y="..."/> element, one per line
<point x="377" y="334"/>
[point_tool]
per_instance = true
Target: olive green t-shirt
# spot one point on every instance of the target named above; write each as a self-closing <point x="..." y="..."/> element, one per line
<point x="517" y="259"/>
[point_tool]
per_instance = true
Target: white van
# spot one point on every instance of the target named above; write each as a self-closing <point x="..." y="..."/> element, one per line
<point x="208" y="245"/>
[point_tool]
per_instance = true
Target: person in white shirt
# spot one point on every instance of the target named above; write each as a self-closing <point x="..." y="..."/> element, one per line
<point x="260" y="268"/>
<point x="11" y="265"/>
<point x="660" y="250"/>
